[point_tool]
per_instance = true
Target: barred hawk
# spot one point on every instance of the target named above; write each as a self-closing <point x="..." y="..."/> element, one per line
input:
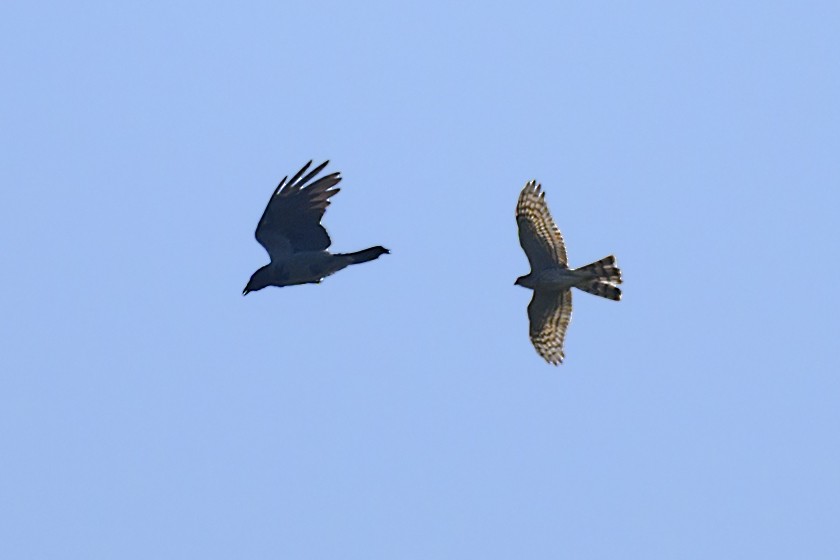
<point x="551" y="278"/>
<point x="290" y="230"/>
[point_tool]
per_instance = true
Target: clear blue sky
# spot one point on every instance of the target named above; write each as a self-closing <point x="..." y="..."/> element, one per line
<point x="398" y="410"/>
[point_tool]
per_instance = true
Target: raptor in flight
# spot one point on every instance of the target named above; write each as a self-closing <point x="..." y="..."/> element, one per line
<point x="290" y="230"/>
<point x="551" y="278"/>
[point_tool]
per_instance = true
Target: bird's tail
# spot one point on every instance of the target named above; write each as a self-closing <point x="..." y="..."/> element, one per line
<point x="365" y="255"/>
<point x="604" y="275"/>
<point x="603" y="289"/>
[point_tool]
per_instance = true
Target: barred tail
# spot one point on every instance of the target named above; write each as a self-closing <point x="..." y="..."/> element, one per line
<point x="366" y="255"/>
<point x="604" y="270"/>
<point x="604" y="275"/>
<point x="603" y="289"/>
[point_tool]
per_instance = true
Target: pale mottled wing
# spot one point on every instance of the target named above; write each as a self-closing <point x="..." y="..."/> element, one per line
<point x="549" y="314"/>
<point x="291" y="221"/>
<point x="538" y="234"/>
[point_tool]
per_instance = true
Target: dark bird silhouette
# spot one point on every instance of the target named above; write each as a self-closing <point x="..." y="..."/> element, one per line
<point x="290" y="230"/>
<point x="551" y="278"/>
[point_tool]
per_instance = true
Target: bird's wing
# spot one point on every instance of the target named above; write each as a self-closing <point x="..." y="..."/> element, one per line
<point x="292" y="219"/>
<point x="549" y="314"/>
<point x="538" y="234"/>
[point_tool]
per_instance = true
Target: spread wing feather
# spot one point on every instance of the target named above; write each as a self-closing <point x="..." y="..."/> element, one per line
<point x="538" y="234"/>
<point x="291" y="221"/>
<point x="549" y="314"/>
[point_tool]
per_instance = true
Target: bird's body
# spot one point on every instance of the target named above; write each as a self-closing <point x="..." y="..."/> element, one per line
<point x="554" y="279"/>
<point x="299" y="268"/>
<point x="291" y="231"/>
<point x="550" y="310"/>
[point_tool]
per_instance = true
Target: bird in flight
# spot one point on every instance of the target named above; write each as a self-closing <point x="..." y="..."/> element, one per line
<point x="290" y="230"/>
<point x="551" y="278"/>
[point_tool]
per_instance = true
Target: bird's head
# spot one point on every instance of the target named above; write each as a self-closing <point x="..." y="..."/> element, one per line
<point x="524" y="281"/>
<point x="259" y="280"/>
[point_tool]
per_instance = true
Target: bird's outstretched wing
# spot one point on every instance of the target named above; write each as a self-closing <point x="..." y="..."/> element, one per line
<point x="538" y="234"/>
<point x="549" y="314"/>
<point x="291" y="221"/>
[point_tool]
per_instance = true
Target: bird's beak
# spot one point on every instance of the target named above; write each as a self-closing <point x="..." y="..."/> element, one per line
<point x="245" y="292"/>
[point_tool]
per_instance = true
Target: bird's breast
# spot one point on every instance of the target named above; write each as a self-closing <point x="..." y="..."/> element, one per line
<point x="310" y="266"/>
<point x="557" y="278"/>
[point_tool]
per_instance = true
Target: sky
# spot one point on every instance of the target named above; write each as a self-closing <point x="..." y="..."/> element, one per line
<point x="398" y="409"/>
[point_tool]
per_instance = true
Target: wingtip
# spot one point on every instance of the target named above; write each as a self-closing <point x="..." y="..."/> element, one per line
<point x="281" y="185"/>
<point x="533" y="186"/>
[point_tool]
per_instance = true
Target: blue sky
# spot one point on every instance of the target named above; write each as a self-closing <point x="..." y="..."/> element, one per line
<point x="398" y="410"/>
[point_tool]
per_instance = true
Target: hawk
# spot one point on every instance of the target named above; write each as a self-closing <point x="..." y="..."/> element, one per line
<point x="551" y="278"/>
<point x="290" y="230"/>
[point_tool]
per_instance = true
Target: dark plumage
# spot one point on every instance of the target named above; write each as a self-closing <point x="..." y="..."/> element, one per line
<point x="290" y="230"/>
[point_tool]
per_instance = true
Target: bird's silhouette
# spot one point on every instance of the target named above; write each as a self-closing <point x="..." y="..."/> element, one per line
<point x="290" y="230"/>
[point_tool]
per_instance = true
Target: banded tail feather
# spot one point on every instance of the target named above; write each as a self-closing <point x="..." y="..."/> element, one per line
<point x="604" y="270"/>
<point x="602" y="289"/>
